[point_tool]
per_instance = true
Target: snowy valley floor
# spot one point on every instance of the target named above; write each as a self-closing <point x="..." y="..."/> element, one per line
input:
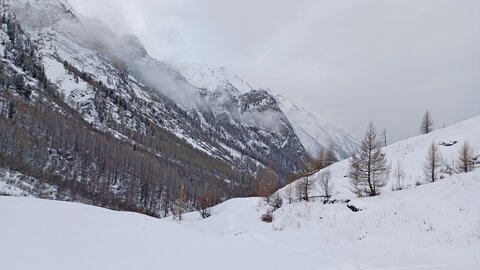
<point x="433" y="226"/>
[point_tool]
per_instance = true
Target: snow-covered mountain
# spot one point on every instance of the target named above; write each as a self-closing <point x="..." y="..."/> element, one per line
<point x="120" y="128"/>
<point x="211" y="121"/>
<point x="213" y="78"/>
<point x="314" y="134"/>
<point x="429" y="226"/>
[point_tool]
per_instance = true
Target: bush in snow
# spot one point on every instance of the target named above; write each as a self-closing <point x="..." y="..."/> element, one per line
<point x="267" y="217"/>
<point x="204" y="204"/>
<point x="276" y="201"/>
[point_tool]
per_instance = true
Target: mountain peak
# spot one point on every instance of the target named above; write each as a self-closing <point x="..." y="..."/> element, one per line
<point x="213" y="78"/>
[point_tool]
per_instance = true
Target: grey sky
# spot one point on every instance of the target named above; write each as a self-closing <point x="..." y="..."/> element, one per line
<point x="348" y="61"/>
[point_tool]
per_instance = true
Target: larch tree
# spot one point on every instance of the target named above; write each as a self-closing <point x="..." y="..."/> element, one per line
<point x="304" y="185"/>
<point x="180" y="205"/>
<point x="319" y="161"/>
<point x="384" y="137"/>
<point x="465" y="158"/>
<point x="330" y="156"/>
<point x="289" y="189"/>
<point x="427" y="123"/>
<point x="432" y="163"/>
<point x="326" y="184"/>
<point x="369" y="167"/>
<point x="267" y="184"/>
<point x="303" y="188"/>
<point x="325" y="157"/>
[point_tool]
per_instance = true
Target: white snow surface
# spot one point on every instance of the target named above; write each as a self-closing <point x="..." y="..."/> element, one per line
<point x="431" y="226"/>
<point x="435" y="226"/>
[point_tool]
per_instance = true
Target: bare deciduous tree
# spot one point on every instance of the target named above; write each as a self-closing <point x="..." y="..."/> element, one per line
<point x="276" y="201"/>
<point x="180" y="205"/>
<point x="205" y="202"/>
<point x="399" y="176"/>
<point x="427" y="123"/>
<point x="384" y="137"/>
<point x="267" y="184"/>
<point x="289" y="194"/>
<point x="465" y="158"/>
<point x="303" y="187"/>
<point x="369" y="166"/>
<point x="330" y="156"/>
<point x="326" y="184"/>
<point x="432" y="163"/>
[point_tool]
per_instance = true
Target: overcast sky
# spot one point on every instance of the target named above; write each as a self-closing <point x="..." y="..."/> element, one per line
<point x="348" y="61"/>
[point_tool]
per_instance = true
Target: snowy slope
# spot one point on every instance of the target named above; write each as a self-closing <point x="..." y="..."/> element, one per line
<point x="313" y="133"/>
<point x="410" y="154"/>
<point x="38" y="234"/>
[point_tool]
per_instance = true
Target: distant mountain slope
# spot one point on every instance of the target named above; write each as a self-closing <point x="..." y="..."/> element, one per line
<point x="316" y="134"/>
<point x="313" y="133"/>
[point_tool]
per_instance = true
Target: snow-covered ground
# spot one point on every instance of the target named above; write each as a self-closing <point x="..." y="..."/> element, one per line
<point x="429" y="226"/>
<point x="435" y="226"/>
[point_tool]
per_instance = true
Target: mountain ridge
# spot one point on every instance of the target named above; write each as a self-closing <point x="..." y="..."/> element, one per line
<point x="313" y="133"/>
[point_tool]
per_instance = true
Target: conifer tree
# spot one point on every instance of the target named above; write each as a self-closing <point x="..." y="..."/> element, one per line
<point x="369" y="167"/>
<point x="465" y="158"/>
<point x="432" y="162"/>
<point x="427" y="123"/>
